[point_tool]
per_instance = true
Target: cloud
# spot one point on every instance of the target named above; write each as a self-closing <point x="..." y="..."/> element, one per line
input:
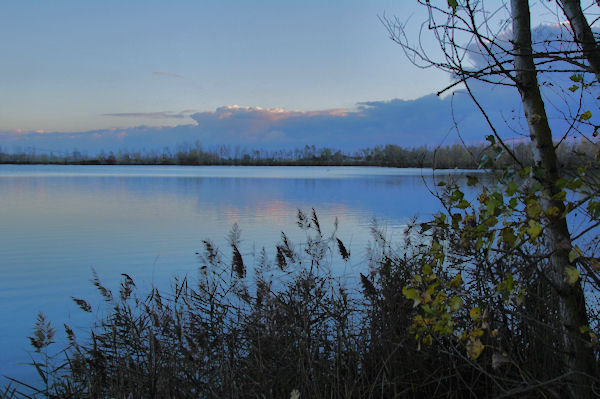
<point x="169" y="74"/>
<point x="429" y="120"/>
<point x="190" y="82"/>
<point x="152" y="115"/>
<point x="425" y="121"/>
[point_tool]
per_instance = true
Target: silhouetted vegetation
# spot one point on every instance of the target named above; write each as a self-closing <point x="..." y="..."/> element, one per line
<point x="283" y="325"/>
<point x="453" y="156"/>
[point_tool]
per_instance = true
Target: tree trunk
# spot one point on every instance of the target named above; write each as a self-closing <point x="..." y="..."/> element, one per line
<point x="578" y="359"/>
<point x="583" y="33"/>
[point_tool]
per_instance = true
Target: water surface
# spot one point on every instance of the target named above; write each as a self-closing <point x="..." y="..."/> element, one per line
<point x="59" y="222"/>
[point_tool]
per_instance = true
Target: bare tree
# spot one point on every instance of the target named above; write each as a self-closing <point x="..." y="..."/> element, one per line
<point x="583" y="33"/>
<point x="465" y="30"/>
<point x="572" y="309"/>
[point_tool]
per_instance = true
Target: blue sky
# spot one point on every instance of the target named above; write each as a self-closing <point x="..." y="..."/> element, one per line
<point x="135" y="75"/>
<point x="73" y="65"/>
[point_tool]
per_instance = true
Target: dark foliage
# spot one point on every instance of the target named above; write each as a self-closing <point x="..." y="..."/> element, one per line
<point x="292" y="327"/>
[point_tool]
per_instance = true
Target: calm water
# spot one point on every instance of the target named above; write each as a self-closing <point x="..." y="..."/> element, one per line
<point x="59" y="222"/>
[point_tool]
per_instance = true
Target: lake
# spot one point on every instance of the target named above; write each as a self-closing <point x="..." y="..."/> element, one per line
<point x="60" y="222"/>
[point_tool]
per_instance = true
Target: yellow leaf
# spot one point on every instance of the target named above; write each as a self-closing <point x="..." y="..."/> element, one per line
<point x="574" y="254"/>
<point x="428" y="340"/>
<point x="475" y="313"/>
<point x="534" y="209"/>
<point x="455" y="303"/>
<point x="426" y="297"/>
<point x="552" y="211"/>
<point x="474" y="348"/>
<point x="439" y="298"/>
<point x="534" y="229"/>
<point x="456" y="281"/>
<point x="426" y="270"/>
<point x="572" y="274"/>
<point x="476" y="333"/>
<point x="411" y="293"/>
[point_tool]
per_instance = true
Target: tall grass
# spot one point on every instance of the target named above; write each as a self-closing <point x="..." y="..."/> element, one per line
<point x="285" y="325"/>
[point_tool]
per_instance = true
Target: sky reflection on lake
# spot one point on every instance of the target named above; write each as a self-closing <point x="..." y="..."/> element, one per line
<point x="59" y="222"/>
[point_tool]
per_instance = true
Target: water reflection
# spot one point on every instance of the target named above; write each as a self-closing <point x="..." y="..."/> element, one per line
<point x="59" y="222"/>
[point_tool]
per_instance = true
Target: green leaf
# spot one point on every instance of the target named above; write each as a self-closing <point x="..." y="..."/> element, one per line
<point x="472" y="180"/>
<point x="463" y="204"/>
<point x="534" y="209"/>
<point x="594" y="208"/>
<point x="456" y="281"/>
<point x="535" y="187"/>
<point x="508" y="236"/>
<point x="455" y="303"/>
<point x="572" y="274"/>
<point x="506" y="287"/>
<point x="475" y="313"/>
<point x="511" y="189"/>
<point x="492" y="205"/>
<point x="576" y="77"/>
<point x="491" y="139"/>
<point x="524" y="172"/>
<point x="453" y="4"/>
<point x="479" y="244"/>
<point x="426" y="270"/>
<point x="574" y="88"/>
<point x="574" y="184"/>
<point x="585" y="116"/>
<point x="561" y="183"/>
<point x="561" y="196"/>
<point x="457" y="195"/>
<point x="456" y="218"/>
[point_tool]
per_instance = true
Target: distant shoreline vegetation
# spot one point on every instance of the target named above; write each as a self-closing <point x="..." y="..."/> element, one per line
<point x="571" y="155"/>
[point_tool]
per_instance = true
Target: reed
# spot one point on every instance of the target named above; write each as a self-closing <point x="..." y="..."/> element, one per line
<point x="288" y="327"/>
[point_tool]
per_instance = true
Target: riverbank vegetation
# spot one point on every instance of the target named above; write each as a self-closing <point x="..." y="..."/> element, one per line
<point x="431" y="316"/>
<point x="571" y="155"/>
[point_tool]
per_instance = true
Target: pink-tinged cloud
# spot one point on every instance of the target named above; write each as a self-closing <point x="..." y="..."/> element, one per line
<point x="152" y="115"/>
<point x="429" y="120"/>
<point x="178" y="76"/>
<point x="168" y="74"/>
<point x="425" y="121"/>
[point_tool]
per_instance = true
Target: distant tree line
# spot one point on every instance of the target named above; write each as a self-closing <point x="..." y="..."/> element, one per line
<point x="571" y="155"/>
